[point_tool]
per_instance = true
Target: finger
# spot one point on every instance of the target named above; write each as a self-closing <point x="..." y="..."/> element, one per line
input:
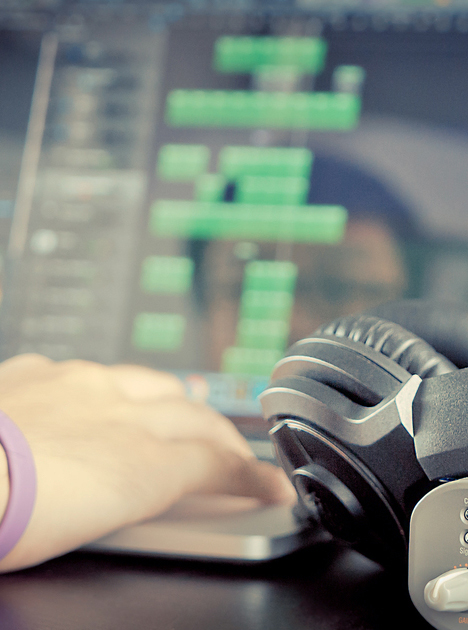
<point x="182" y="419"/>
<point x="209" y="469"/>
<point x="142" y="383"/>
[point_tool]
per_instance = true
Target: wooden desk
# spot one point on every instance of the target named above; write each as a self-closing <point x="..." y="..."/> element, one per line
<point x="317" y="589"/>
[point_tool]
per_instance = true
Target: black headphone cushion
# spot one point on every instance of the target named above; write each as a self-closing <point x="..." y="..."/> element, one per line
<point x="404" y="347"/>
<point x="443" y="324"/>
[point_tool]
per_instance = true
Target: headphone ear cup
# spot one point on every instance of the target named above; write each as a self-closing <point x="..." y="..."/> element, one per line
<point x="402" y="346"/>
<point x="322" y="421"/>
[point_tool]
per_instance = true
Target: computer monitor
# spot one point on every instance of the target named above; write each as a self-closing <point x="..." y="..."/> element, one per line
<point x="203" y="184"/>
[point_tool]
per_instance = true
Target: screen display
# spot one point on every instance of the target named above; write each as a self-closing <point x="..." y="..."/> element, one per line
<point x="198" y="192"/>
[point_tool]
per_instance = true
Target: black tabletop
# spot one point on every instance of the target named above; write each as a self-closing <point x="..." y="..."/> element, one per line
<point x="322" y="588"/>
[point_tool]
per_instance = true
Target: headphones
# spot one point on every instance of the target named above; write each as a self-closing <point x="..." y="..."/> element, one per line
<point x="369" y="418"/>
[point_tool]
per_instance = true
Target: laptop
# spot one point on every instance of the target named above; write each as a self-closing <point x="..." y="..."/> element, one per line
<point x="200" y="187"/>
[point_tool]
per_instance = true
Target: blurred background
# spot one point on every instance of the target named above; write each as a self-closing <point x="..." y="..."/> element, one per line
<point x="195" y="185"/>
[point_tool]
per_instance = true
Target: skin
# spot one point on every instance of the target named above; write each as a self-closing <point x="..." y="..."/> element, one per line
<point x="114" y="446"/>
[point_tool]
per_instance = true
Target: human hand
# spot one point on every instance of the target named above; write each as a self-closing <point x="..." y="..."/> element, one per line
<point x="114" y="446"/>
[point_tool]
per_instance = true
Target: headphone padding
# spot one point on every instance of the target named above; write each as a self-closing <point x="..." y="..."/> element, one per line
<point x="402" y="346"/>
<point x="444" y="325"/>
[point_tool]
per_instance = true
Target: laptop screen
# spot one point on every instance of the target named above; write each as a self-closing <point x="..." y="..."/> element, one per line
<point x="195" y="187"/>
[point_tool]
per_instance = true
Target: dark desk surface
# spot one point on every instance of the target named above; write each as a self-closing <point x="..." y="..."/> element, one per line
<point x="317" y="589"/>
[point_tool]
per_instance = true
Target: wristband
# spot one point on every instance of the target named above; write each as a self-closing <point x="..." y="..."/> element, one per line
<point x="22" y="474"/>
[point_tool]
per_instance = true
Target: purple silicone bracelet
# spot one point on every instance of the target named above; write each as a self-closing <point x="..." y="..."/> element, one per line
<point x="22" y="474"/>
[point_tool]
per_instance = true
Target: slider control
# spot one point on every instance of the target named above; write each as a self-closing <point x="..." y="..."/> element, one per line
<point x="448" y="592"/>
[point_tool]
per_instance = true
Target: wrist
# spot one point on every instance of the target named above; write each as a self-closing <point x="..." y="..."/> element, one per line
<point x="21" y="484"/>
<point x="4" y="483"/>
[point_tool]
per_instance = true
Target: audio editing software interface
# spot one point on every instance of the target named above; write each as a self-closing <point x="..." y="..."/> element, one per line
<point x="200" y="189"/>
